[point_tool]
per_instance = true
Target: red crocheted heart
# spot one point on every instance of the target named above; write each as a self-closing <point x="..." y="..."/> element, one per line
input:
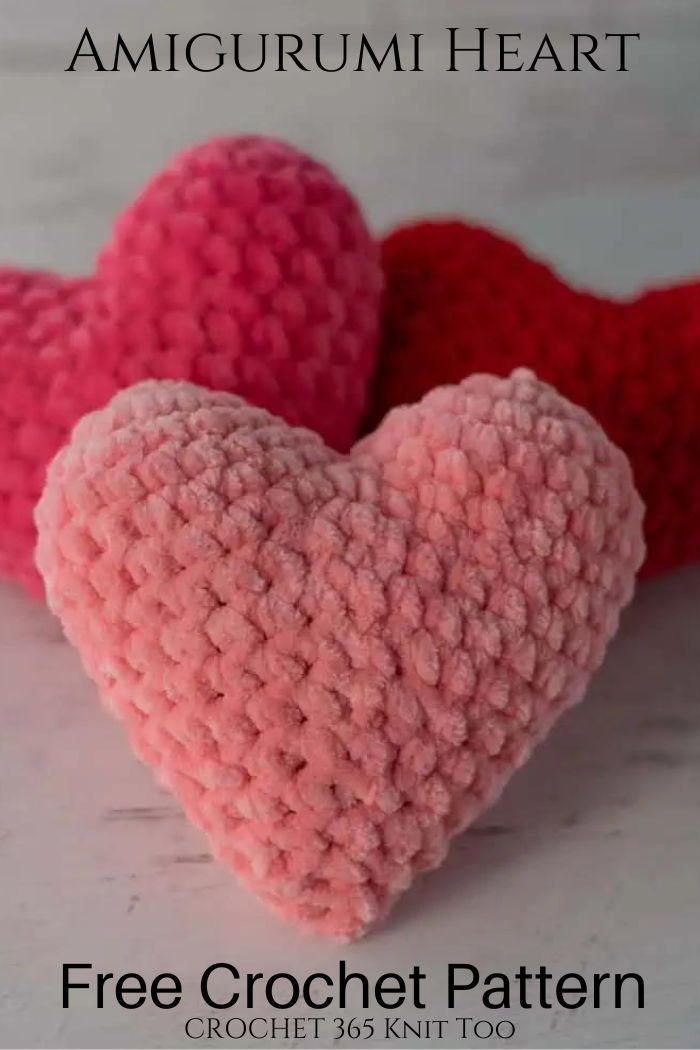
<point x="244" y="265"/>
<point x="336" y="662"/>
<point x="461" y="298"/>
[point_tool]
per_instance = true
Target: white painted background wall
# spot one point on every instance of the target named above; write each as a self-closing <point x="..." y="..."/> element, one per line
<point x="590" y="861"/>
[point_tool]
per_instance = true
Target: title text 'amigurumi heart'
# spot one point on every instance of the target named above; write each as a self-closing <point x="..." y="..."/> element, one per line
<point x="462" y="299"/>
<point x="336" y="662"/>
<point x="244" y="265"/>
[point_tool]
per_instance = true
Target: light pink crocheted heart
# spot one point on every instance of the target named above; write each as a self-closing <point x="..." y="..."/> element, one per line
<point x="337" y="662"/>
<point x="245" y="265"/>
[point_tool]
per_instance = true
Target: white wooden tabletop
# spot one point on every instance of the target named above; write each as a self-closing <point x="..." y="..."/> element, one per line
<point x="590" y="860"/>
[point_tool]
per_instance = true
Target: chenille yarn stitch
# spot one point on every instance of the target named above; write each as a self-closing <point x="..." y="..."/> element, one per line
<point x="336" y="662"/>
<point x="244" y="265"/>
<point x="461" y="298"/>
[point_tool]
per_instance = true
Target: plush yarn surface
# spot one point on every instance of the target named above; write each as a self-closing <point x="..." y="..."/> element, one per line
<point x="461" y="299"/>
<point x="337" y="662"/>
<point x="244" y="265"/>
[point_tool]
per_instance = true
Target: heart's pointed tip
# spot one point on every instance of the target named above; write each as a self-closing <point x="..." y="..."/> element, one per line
<point x="337" y="925"/>
<point x="344" y="934"/>
<point x="340" y="932"/>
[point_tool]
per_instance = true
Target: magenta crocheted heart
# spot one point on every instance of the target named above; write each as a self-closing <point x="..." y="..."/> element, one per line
<point x="336" y="662"/>
<point x="244" y="266"/>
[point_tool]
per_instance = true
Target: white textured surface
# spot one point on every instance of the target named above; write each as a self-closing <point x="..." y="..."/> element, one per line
<point x="590" y="861"/>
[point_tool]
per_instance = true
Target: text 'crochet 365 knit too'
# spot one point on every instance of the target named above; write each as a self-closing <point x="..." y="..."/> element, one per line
<point x="244" y="265"/>
<point x="336" y="662"/>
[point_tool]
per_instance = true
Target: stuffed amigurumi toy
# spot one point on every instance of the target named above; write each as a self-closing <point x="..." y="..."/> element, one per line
<point x="245" y="265"/>
<point x="336" y="662"/>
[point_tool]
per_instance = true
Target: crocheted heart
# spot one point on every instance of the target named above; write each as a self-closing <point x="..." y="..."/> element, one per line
<point x="244" y="265"/>
<point x="336" y="662"/>
<point x="462" y="299"/>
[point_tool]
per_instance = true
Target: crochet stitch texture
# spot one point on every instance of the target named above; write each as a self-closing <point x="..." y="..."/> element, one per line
<point x="244" y="266"/>
<point x="460" y="298"/>
<point x="336" y="662"/>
